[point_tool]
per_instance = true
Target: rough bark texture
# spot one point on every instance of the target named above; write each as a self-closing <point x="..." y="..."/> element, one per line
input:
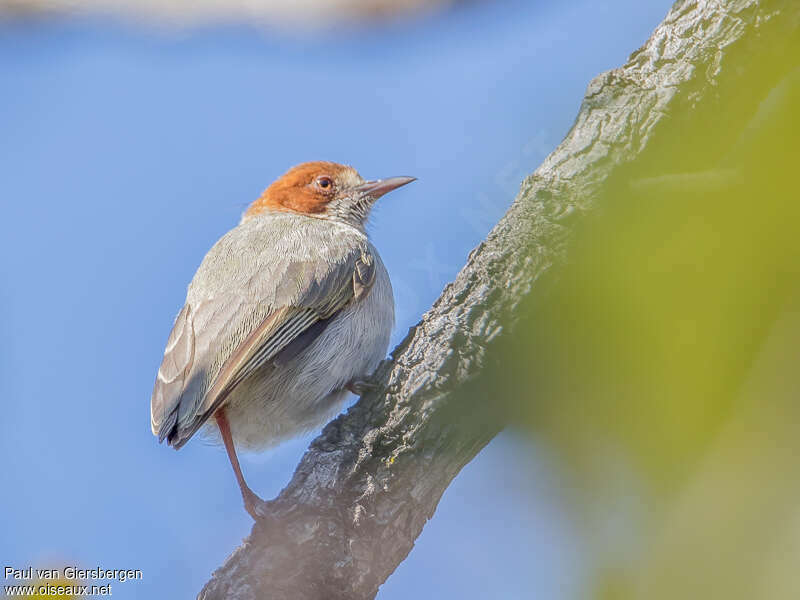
<point x="367" y="485"/>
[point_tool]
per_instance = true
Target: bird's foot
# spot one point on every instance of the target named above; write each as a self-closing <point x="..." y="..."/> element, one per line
<point x="361" y="386"/>
<point x="255" y="506"/>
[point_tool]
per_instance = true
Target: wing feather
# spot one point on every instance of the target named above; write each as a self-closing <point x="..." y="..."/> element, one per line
<point x="220" y="339"/>
<point x="178" y="357"/>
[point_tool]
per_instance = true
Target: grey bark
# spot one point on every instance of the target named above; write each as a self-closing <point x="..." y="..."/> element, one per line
<point x="366" y="486"/>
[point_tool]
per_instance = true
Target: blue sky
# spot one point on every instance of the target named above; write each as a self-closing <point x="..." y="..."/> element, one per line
<point x="126" y="151"/>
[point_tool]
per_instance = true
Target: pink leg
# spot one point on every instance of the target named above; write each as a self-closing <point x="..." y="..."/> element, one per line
<point x="251" y="501"/>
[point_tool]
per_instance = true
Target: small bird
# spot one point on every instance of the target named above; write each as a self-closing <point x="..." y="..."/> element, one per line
<point x="288" y="311"/>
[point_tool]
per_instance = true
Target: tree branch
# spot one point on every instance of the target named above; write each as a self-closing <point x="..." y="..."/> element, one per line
<point x="366" y="486"/>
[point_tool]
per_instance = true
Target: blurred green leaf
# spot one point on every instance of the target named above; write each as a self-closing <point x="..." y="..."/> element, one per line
<point x="656" y="364"/>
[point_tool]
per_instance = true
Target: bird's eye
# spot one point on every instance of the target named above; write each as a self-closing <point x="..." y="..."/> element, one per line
<point x="324" y="183"/>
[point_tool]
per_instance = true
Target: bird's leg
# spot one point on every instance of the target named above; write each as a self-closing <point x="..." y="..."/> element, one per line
<point x="252" y="502"/>
<point x="361" y="386"/>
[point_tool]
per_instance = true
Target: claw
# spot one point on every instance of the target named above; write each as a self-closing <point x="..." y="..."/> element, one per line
<point x="361" y="386"/>
<point x="255" y="506"/>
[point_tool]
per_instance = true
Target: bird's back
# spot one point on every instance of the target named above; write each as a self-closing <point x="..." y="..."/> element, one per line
<point x="259" y="267"/>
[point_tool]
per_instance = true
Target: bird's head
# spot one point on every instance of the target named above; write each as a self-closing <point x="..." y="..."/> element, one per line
<point x="324" y="190"/>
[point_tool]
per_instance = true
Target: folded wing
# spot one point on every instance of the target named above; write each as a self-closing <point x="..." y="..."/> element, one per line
<point x="222" y="337"/>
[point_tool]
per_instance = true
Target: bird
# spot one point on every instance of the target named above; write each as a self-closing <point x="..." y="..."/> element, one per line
<point x="288" y="312"/>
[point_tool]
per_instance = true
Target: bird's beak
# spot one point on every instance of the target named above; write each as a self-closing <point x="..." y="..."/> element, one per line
<point x="379" y="187"/>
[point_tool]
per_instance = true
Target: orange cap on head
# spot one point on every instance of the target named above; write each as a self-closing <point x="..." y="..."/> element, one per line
<point x="306" y="188"/>
<point x="326" y="190"/>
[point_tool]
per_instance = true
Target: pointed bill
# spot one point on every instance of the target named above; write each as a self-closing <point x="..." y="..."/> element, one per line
<point x="379" y="187"/>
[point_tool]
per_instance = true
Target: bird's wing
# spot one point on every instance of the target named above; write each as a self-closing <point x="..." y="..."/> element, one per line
<point x="219" y="341"/>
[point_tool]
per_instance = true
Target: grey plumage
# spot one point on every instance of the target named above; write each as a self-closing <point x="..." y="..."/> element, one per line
<point x="283" y="312"/>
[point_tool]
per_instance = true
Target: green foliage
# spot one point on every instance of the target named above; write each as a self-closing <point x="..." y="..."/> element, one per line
<point x="663" y="362"/>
